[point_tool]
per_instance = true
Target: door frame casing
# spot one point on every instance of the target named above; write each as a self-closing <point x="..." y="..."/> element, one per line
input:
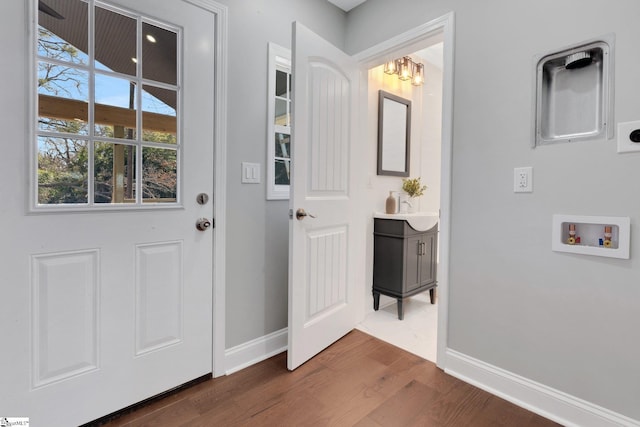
<point x="375" y="56"/>
<point x="220" y="173"/>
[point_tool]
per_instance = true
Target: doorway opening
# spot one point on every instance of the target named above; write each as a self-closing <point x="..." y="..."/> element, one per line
<point x="417" y="332"/>
<point x="423" y="329"/>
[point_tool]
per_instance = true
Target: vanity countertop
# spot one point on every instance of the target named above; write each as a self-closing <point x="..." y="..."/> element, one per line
<point x="420" y="221"/>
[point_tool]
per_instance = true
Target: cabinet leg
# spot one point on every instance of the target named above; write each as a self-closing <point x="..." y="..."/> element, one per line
<point x="432" y="295"/>
<point x="400" y="309"/>
<point x="376" y="300"/>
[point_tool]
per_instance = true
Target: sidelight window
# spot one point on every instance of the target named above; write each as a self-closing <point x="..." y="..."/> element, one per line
<point x="279" y="123"/>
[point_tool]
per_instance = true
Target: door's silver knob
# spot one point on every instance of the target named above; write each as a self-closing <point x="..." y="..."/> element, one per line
<point x="301" y="214"/>
<point x="203" y="224"/>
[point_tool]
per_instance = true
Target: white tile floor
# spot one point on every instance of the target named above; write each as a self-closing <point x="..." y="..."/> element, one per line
<point x="416" y="333"/>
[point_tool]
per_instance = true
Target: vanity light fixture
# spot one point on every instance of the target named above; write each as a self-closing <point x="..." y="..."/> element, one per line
<point x="391" y="67"/>
<point x="418" y="75"/>
<point x="406" y="69"/>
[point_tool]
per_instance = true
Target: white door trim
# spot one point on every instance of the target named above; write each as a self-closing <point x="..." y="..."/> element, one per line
<point x="374" y="56"/>
<point x="219" y="188"/>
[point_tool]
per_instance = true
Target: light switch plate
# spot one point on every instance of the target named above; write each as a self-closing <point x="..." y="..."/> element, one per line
<point x="625" y="144"/>
<point x="523" y="180"/>
<point x="250" y="173"/>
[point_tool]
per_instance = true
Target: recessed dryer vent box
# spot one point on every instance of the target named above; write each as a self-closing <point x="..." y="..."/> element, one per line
<point x="573" y="93"/>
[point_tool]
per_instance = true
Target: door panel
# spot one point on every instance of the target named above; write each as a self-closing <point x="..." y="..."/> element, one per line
<point x="159" y="290"/>
<point x="105" y="308"/>
<point x="65" y="341"/>
<point x="321" y="272"/>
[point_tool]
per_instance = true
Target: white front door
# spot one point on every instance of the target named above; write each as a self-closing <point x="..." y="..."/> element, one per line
<point x="105" y="300"/>
<point x="322" y="291"/>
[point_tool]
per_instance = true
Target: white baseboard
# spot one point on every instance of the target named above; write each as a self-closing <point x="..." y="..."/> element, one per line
<point x="254" y="351"/>
<point x="543" y="400"/>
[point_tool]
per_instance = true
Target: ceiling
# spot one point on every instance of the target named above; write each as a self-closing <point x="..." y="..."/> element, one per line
<point x="346" y="5"/>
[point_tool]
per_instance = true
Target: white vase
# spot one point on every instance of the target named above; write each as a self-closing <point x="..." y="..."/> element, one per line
<point x="405" y="203"/>
<point x="415" y="205"/>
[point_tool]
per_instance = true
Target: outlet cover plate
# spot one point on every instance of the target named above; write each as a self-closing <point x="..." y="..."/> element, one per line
<point x="523" y="180"/>
<point x="625" y="144"/>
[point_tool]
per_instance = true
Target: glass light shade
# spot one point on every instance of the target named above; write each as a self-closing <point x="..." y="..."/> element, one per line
<point x="391" y="67"/>
<point x="418" y="75"/>
<point x="405" y="72"/>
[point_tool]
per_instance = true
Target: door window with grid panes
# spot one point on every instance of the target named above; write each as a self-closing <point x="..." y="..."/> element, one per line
<point x="279" y="123"/>
<point x="107" y="97"/>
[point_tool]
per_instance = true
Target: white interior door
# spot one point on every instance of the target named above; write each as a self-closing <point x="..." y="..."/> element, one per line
<point x="108" y="304"/>
<point x="322" y="293"/>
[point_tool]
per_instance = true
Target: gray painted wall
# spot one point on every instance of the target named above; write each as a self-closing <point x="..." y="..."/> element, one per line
<point x="568" y="321"/>
<point x="257" y="229"/>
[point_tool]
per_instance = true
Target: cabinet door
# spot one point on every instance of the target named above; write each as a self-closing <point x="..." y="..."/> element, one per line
<point x="428" y="259"/>
<point x="412" y="261"/>
<point x="388" y="264"/>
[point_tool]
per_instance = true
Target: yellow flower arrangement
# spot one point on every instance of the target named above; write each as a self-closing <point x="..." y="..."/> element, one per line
<point x="413" y="187"/>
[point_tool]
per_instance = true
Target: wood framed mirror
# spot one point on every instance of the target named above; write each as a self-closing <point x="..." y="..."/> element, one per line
<point x="394" y="134"/>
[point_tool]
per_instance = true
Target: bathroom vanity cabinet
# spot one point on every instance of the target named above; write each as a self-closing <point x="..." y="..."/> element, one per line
<point x="404" y="261"/>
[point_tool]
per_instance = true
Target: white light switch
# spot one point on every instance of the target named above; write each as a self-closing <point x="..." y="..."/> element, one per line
<point x="523" y="180"/>
<point x="250" y="173"/>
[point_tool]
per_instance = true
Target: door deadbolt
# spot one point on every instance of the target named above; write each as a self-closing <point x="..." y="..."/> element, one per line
<point x="202" y="198"/>
<point x="203" y="224"/>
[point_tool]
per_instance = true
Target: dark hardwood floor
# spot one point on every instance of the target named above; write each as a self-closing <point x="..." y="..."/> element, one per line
<point x="358" y="381"/>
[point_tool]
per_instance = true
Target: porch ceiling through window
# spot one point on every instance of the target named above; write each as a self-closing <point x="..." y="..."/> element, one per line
<point x="113" y="42"/>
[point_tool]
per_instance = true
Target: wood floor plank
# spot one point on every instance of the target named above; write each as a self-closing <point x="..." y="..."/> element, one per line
<point x="173" y="414"/>
<point x="367" y="422"/>
<point x="404" y="406"/>
<point x="291" y="410"/>
<point x="458" y="406"/>
<point x="358" y="381"/>
<point x="430" y="375"/>
<point x="228" y="414"/>
<point x="497" y="414"/>
<point x="222" y="392"/>
<point x="398" y="374"/>
<point x="388" y="354"/>
<point x="336" y="352"/>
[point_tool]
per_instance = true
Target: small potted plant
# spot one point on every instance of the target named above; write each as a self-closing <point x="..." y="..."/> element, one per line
<point x="413" y="188"/>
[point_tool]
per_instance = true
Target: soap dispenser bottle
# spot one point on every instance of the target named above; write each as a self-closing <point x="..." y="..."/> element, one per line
<point x="391" y="204"/>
